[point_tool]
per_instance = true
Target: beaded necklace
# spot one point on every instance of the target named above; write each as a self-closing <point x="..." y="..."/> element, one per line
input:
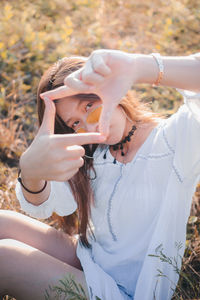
<point x="121" y="144"/>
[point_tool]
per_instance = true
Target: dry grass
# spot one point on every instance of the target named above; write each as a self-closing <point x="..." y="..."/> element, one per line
<point x="34" y="34"/>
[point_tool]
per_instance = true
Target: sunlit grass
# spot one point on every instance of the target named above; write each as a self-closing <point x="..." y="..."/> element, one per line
<point x="34" y="34"/>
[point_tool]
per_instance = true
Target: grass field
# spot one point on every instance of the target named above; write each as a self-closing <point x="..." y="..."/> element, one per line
<point x="34" y="34"/>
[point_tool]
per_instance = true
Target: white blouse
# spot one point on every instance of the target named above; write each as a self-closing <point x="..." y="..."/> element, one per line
<point x="141" y="209"/>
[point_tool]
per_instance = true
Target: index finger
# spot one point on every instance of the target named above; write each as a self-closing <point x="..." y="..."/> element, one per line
<point x="79" y="139"/>
<point x="60" y="92"/>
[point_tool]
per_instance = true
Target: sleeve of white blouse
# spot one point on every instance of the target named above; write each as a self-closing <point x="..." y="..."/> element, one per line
<point x="187" y="150"/>
<point x="182" y="134"/>
<point x="192" y="99"/>
<point x="60" y="201"/>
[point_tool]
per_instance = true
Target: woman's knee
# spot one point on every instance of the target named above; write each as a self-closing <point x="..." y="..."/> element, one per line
<point x="3" y="254"/>
<point x="9" y="250"/>
<point x="4" y="220"/>
<point x="7" y="220"/>
<point x="14" y="259"/>
<point x="6" y="247"/>
<point x="19" y="264"/>
<point x="13" y="256"/>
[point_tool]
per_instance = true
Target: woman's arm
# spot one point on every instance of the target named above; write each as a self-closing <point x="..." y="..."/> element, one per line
<point x="181" y="72"/>
<point x="111" y="73"/>
<point x="52" y="157"/>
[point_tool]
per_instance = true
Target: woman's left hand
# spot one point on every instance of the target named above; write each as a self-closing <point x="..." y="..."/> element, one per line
<point x="107" y="73"/>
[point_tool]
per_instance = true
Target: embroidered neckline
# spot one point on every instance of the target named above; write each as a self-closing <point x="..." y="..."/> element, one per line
<point x="100" y="150"/>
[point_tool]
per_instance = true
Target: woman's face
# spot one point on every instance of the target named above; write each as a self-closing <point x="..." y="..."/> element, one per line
<point x="74" y="112"/>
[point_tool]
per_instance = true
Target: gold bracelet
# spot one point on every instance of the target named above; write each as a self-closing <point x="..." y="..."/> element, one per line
<point x="159" y="61"/>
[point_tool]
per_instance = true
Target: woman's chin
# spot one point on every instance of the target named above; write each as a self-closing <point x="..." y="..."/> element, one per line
<point x="112" y="137"/>
<point x="111" y="141"/>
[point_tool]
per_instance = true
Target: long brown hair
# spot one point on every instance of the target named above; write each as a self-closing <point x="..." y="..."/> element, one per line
<point x="137" y="111"/>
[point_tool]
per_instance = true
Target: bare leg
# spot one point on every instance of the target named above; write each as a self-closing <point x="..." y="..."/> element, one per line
<point x="27" y="272"/>
<point x="39" y="235"/>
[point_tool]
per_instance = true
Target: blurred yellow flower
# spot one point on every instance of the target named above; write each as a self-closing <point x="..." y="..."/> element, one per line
<point x="158" y="47"/>
<point x="4" y="54"/>
<point x="68" y="21"/>
<point x="168" y="21"/>
<point x="68" y="31"/>
<point x="13" y="39"/>
<point x="82" y="2"/>
<point x="30" y="37"/>
<point x="8" y="13"/>
<point x="40" y="46"/>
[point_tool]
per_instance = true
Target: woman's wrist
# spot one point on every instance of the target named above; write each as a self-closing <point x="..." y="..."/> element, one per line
<point x="147" y="69"/>
<point x="29" y="180"/>
<point x="180" y="72"/>
<point x="33" y="185"/>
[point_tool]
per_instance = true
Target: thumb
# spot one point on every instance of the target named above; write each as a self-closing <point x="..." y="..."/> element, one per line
<point x="105" y="118"/>
<point x="48" y="122"/>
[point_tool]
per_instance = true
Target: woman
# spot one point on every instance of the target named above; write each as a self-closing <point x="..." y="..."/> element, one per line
<point x="143" y="169"/>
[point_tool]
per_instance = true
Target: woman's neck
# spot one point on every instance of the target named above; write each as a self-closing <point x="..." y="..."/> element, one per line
<point x="137" y="139"/>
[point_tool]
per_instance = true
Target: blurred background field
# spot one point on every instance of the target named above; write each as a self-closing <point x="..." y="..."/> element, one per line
<point x="34" y="34"/>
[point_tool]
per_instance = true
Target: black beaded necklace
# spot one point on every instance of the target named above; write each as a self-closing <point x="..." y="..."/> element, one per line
<point x="121" y="144"/>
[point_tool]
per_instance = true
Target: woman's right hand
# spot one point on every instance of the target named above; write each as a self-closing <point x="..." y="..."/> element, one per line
<point x="106" y="73"/>
<point x="54" y="157"/>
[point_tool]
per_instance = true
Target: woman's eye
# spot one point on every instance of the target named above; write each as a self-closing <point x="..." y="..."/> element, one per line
<point x="88" y="106"/>
<point x="75" y="124"/>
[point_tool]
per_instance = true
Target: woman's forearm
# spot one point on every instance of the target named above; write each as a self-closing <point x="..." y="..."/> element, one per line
<point x="181" y="72"/>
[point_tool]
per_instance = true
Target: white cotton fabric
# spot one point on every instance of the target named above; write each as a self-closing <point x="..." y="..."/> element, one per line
<point x="194" y="105"/>
<point x="60" y="201"/>
<point x="141" y="208"/>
